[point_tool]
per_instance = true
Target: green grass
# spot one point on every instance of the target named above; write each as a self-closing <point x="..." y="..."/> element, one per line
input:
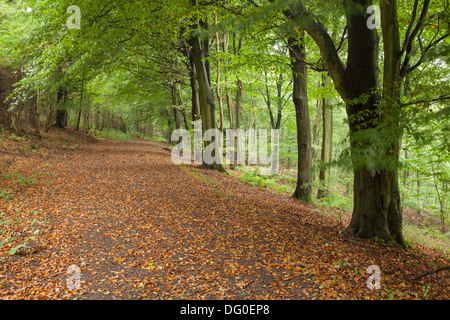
<point x="336" y="201"/>
<point x="5" y="195"/>
<point x="17" y="138"/>
<point x="429" y="237"/>
<point x="159" y="139"/>
<point x="271" y="183"/>
<point x="112" y="134"/>
<point x="23" y="180"/>
<point x="195" y="173"/>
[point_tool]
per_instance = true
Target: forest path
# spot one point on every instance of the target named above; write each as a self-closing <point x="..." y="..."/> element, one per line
<point x="140" y="227"/>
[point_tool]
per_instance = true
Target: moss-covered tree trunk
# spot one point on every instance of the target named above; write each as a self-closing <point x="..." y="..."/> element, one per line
<point x="373" y="112"/>
<point x="300" y="96"/>
<point x="374" y="129"/>
<point x="205" y="92"/>
<point x="327" y="141"/>
<point x="61" y="112"/>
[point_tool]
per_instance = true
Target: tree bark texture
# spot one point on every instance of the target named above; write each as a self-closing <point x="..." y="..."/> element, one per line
<point x="327" y="141"/>
<point x="300" y="96"/>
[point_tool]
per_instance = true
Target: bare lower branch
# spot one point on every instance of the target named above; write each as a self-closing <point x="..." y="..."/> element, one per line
<point x="440" y="99"/>
<point x="432" y="272"/>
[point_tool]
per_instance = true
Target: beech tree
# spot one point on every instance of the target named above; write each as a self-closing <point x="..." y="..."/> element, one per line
<point x="300" y="97"/>
<point x="207" y="105"/>
<point x="157" y="54"/>
<point x="373" y="104"/>
<point x="327" y="141"/>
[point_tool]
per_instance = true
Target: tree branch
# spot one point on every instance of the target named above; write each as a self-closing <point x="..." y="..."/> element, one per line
<point x="408" y="32"/>
<point x="214" y="2"/>
<point x="409" y="45"/>
<point x="342" y="39"/>
<point x="430" y="46"/>
<point x="254" y="3"/>
<point x="440" y="99"/>
<point x="303" y="19"/>
<point x="431" y="272"/>
<point x="312" y="66"/>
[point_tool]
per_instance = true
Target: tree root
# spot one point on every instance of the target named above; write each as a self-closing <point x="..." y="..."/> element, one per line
<point x="432" y="272"/>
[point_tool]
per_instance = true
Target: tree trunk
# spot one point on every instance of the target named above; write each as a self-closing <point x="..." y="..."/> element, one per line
<point x="7" y="79"/>
<point x="219" y="61"/>
<point x="176" y="110"/>
<point x="376" y="206"/>
<point x="169" y="125"/>
<point x="239" y="144"/>
<point x="268" y="100"/>
<point x="60" y="117"/>
<point x="81" y="102"/>
<point x="327" y="142"/>
<point x="60" y="113"/>
<point x="280" y="82"/>
<point x="377" y="211"/>
<point x="51" y="101"/>
<point x="275" y="124"/>
<point x="97" y="120"/>
<point x="182" y="111"/>
<point x="33" y="111"/>
<point x="238" y="103"/>
<point x="206" y="98"/>
<point x="237" y="48"/>
<point x="373" y="120"/>
<point x="229" y="99"/>
<point x="78" y="120"/>
<point x="86" y="121"/>
<point x="194" y="89"/>
<point x="205" y="50"/>
<point x="206" y="95"/>
<point x="316" y="127"/>
<point x="300" y="96"/>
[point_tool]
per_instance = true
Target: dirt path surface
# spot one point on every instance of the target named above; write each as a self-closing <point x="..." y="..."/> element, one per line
<point x="139" y="227"/>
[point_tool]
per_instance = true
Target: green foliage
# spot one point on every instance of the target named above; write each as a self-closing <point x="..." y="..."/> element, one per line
<point x="426" y="162"/>
<point x="16" y="138"/>
<point x="23" y="180"/>
<point x="272" y="183"/>
<point x="337" y="201"/>
<point x="128" y="56"/>
<point x="114" y="135"/>
<point x="5" y="194"/>
<point x="430" y="237"/>
<point x="253" y="178"/>
<point x="70" y="147"/>
<point x="19" y="248"/>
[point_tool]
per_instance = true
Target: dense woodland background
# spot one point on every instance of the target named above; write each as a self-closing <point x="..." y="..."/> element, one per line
<point x="139" y="70"/>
